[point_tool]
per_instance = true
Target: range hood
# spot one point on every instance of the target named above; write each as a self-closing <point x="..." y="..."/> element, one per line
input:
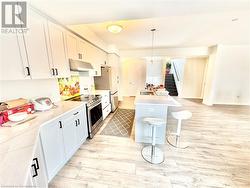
<point x="80" y="66"/>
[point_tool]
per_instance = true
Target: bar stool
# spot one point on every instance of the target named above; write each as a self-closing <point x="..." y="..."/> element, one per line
<point x="174" y="138"/>
<point x="151" y="153"/>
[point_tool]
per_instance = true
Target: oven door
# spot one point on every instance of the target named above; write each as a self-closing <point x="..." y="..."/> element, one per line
<point x="94" y="118"/>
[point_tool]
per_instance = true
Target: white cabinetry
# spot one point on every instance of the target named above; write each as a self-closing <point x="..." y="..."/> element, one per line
<point x="143" y="132"/>
<point x="81" y="49"/>
<point x="36" y="46"/>
<point x="13" y="63"/>
<point x="61" y="138"/>
<point x="52" y="143"/>
<point x="71" y="41"/>
<point x="106" y="105"/>
<point x="58" y="60"/>
<point x="37" y="176"/>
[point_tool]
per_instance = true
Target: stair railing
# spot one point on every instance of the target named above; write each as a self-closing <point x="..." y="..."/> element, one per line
<point x="176" y="77"/>
<point x="176" y="73"/>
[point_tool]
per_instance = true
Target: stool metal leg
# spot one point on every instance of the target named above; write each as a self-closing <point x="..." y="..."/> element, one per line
<point x="174" y="139"/>
<point x="152" y="154"/>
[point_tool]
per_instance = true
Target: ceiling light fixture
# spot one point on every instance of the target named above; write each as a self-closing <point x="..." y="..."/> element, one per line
<point x="152" y="49"/>
<point x="235" y="19"/>
<point x="114" y="28"/>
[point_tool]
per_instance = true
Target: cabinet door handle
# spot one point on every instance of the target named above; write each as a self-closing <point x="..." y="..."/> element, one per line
<point x="60" y="124"/>
<point x="76" y="123"/>
<point x="76" y="113"/>
<point x="35" y="166"/>
<point x="78" y="120"/>
<point x="53" y="71"/>
<point x="28" y="71"/>
<point x="56" y="71"/>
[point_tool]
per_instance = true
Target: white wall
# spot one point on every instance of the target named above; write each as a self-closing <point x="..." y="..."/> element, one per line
<point x="133" y="75"/>
<point x="193" y="76"/>
<point x="30" y="89"/>
<point x="38" y="88"/>
<point x="155" y="72"/>
<point x="209" y="77"/>
<point x="169" y="52"/>
<point x="230" y="76"/>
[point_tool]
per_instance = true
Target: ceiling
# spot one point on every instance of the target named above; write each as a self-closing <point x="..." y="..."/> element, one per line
<point x="93" y="11"/>
<point x="179" y="31"/>
<point x="178" y="22"/>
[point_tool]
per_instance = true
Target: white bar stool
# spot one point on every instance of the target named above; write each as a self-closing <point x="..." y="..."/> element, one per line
<point x="151" y="153"/>
<point x="174" y="138"/>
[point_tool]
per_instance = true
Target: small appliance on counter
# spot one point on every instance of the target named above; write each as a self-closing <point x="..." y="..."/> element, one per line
<point x="42" y="104"/>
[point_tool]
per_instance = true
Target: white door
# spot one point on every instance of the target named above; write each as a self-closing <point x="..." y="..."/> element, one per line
<point x="52" y="144"/>
<point x="36" y="46"/>
<point x="57" y="45"/>
<point x="69" y="135"/>
<point x="71" y="41"/>
<point x="13" y="62"/>
<point x="82" y="128"/>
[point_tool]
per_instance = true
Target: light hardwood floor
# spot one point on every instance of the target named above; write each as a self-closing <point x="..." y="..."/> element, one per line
<point x="218" y="154"/>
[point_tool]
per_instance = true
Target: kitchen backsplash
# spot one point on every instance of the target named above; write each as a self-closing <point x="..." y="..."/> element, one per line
<point x="69" y="87"/>
<point x="30" y="89"/>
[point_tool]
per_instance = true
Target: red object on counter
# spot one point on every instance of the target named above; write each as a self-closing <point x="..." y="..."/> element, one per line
<point x="29" y="108"/>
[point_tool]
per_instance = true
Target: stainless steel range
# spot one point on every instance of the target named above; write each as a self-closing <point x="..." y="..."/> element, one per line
<point x="94" y="112"/>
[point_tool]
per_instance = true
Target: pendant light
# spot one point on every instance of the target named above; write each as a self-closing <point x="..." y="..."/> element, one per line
<point x="152" y="49"/>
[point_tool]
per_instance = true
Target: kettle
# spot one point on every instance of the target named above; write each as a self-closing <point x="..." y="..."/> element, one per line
<point x="42" y="103"/>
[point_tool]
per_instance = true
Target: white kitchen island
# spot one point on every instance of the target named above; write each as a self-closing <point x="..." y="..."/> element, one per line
<point x="151" y="106"/>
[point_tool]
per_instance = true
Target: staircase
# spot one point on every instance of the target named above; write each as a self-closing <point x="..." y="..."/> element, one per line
<point x="170" y="85"/>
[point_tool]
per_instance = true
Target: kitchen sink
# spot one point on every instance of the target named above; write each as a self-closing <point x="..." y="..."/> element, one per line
<point x="146" y="93"/>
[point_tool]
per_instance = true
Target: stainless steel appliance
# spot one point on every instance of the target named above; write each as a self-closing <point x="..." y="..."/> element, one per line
<point x="94" y="112"/>
<point x="105" y="82"/>
<point x="80" y="66"/>
<point x="42" y="103"/>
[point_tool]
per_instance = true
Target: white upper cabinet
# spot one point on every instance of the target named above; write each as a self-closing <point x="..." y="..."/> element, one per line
<point x="81" y="49"/>
<point x="57" y="49"/>
<point x="13" y="63"/>
<point x="71" y="46"/>
<point x="36" y="46"/>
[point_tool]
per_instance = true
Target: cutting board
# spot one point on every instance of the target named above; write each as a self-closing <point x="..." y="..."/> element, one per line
<point x="16" y="102"/>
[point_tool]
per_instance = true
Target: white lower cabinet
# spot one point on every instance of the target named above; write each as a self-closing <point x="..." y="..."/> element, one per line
<point x="106" y="111"/>
<point x="53" y="147"/>
<point x="106" y="105"/>
<point x="61" y="138"/>
<point x="38" y="176"/>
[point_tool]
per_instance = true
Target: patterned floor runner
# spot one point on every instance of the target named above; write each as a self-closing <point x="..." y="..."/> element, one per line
<point x="120" y="124"/>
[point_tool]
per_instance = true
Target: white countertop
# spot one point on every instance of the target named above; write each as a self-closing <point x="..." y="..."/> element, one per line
<point x="17" y="144"/>
<point x="157" y="100"/>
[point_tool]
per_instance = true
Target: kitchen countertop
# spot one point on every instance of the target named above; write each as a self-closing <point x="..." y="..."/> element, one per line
<point x="155" y="100"/>
<point x="17" y="144"/>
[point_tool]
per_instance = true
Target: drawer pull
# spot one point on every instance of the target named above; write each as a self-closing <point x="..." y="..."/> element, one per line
<point x="60" y="124"/>
<point x="76" y="113"/>
<point x="78" y="120"/>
